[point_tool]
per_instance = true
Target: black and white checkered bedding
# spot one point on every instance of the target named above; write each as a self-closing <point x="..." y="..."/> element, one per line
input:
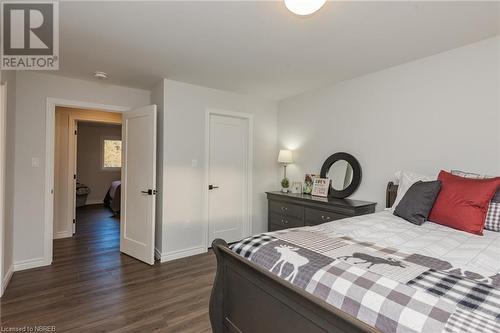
<point x="247" y="246"/>
<point x="386" y="288"/>
<point x="493" y="217"/>
<point x="476" y="296"/>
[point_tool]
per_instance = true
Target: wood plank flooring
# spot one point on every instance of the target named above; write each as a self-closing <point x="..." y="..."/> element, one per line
<point x="91" y="287"/>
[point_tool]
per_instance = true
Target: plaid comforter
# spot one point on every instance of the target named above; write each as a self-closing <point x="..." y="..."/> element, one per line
<point x="383" y="287"/>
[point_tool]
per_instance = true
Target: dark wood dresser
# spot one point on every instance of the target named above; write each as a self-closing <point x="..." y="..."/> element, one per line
<point x="287" y="210"/>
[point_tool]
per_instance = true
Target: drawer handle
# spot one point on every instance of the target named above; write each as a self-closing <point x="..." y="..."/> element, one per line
<point x="284" y="221"/>
<point x="323" y="217"/>
<point x="284" y="208"/>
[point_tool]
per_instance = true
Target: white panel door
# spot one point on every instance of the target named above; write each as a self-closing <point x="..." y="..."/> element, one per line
<point x="138" y="183"/>
<point x="228" y="177"/>
<point x="74" y="181"/>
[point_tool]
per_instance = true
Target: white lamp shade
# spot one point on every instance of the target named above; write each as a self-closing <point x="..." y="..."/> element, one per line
<point x="285" y="156"/>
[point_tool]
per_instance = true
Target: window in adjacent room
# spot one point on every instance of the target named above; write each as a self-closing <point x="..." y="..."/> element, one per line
<point x="111" y="153"/>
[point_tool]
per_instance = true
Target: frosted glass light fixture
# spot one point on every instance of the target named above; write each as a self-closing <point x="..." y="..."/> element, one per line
<point x="304" y="7"/>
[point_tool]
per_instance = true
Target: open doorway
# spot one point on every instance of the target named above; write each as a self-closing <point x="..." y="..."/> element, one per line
<point x="87" y="174"/>
<point x="98" y="180"/>
<point x="138" y="176"/>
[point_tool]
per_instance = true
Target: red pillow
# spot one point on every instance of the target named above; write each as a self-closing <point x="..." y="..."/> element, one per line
<point x="462" y="202"/>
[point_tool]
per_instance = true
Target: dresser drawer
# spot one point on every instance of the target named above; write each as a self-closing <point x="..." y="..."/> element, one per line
<point x="287" y="209"/>
<point x="316" y="216"/>
<point x="281" y="221"/>
<point x="275" y="227"/>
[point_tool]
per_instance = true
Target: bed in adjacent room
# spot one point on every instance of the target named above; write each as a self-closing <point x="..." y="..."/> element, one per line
<point x="371" y="273"/>
<point x="113" y="197"/>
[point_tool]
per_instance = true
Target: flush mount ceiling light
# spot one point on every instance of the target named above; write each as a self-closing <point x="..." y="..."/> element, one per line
<point x="304" y="7"/>
<point x="100" y="75"/>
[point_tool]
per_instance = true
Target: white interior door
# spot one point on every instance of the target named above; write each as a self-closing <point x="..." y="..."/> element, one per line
<point x="228" y="178"/>
<point x="138" y="183"/>
<point x="75" y="172"/>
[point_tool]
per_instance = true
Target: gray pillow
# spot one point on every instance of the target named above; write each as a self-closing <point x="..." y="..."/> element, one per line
<point x="417" y="202"/>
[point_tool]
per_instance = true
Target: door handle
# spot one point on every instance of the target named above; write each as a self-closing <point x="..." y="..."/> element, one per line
<point x="149" y="192"/>
<point x="211" y="187"/>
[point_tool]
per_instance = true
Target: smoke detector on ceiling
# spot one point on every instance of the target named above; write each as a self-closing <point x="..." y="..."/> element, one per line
<point x="100" y="75"/>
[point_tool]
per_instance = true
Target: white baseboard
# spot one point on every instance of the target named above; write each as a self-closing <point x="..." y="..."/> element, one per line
<point x="173" y="255"/>
<point x="6" y="279"/>
<point x="63" y="234"/>
<point x="29" y="263"/>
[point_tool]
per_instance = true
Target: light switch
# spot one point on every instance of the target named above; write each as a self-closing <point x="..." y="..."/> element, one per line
<point x="35" y="162"/>
<point x="194" y="163"/>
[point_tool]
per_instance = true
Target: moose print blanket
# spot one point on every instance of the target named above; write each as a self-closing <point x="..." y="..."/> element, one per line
<point x="388" y="289"/>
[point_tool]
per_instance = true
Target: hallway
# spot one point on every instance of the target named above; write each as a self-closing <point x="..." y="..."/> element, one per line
<point x="91" y="287"/>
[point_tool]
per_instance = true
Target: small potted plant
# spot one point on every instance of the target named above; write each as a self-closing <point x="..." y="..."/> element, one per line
<point x="285" y="184"/>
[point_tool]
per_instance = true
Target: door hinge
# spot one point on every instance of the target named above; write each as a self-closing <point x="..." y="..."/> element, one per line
<point x="74" y="176"/>
<point x="75" y="132"/>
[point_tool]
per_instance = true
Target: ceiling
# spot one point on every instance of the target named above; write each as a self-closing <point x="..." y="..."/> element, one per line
<point x="260" y="48"/>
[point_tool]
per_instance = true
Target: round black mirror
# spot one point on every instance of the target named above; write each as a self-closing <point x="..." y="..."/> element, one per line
<point x="344" y="172"/>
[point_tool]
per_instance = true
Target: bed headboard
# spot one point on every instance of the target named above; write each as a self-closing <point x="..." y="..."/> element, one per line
<point x="390" y="194"/>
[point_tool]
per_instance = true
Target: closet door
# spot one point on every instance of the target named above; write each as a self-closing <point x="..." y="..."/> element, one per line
<point x="228" y="165"/>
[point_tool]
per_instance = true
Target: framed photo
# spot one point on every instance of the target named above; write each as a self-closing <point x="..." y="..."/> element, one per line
<point x="297" y="187"/>
<point x="308" y="182"/>
<point x="321" y="187"/>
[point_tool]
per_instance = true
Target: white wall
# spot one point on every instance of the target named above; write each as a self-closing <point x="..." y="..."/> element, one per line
<point x="8" y="231"/>
<point x="440" y="112"/>
<point x="32" y="90"/>
<point x="184" y="140"/>
<point x="89" y="168"/>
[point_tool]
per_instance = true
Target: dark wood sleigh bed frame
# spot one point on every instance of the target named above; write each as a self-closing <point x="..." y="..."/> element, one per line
<point x="247" y="298"/>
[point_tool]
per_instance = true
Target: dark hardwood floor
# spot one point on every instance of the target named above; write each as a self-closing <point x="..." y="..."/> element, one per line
<point x="91" y="287"/>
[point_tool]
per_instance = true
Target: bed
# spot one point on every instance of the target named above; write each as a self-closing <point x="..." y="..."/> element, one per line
<point x="371" y="273"/>
<point x="112" y="200"/>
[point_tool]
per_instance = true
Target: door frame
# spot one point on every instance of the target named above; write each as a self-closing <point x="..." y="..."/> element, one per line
<point x="3" y="161"/>
<point x="247" y="226"/>
<point x="50" y="114"/>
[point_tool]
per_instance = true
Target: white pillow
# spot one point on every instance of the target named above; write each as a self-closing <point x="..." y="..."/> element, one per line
<point x="405" y="180"/>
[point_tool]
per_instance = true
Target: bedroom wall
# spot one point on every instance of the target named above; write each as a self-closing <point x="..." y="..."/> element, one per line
<point x="440" y="112"/>
<point x="32" y="90"/>
<point x="184" y="141"/>
<point x="8" y="259"/>
<point x="89" y="171"/>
